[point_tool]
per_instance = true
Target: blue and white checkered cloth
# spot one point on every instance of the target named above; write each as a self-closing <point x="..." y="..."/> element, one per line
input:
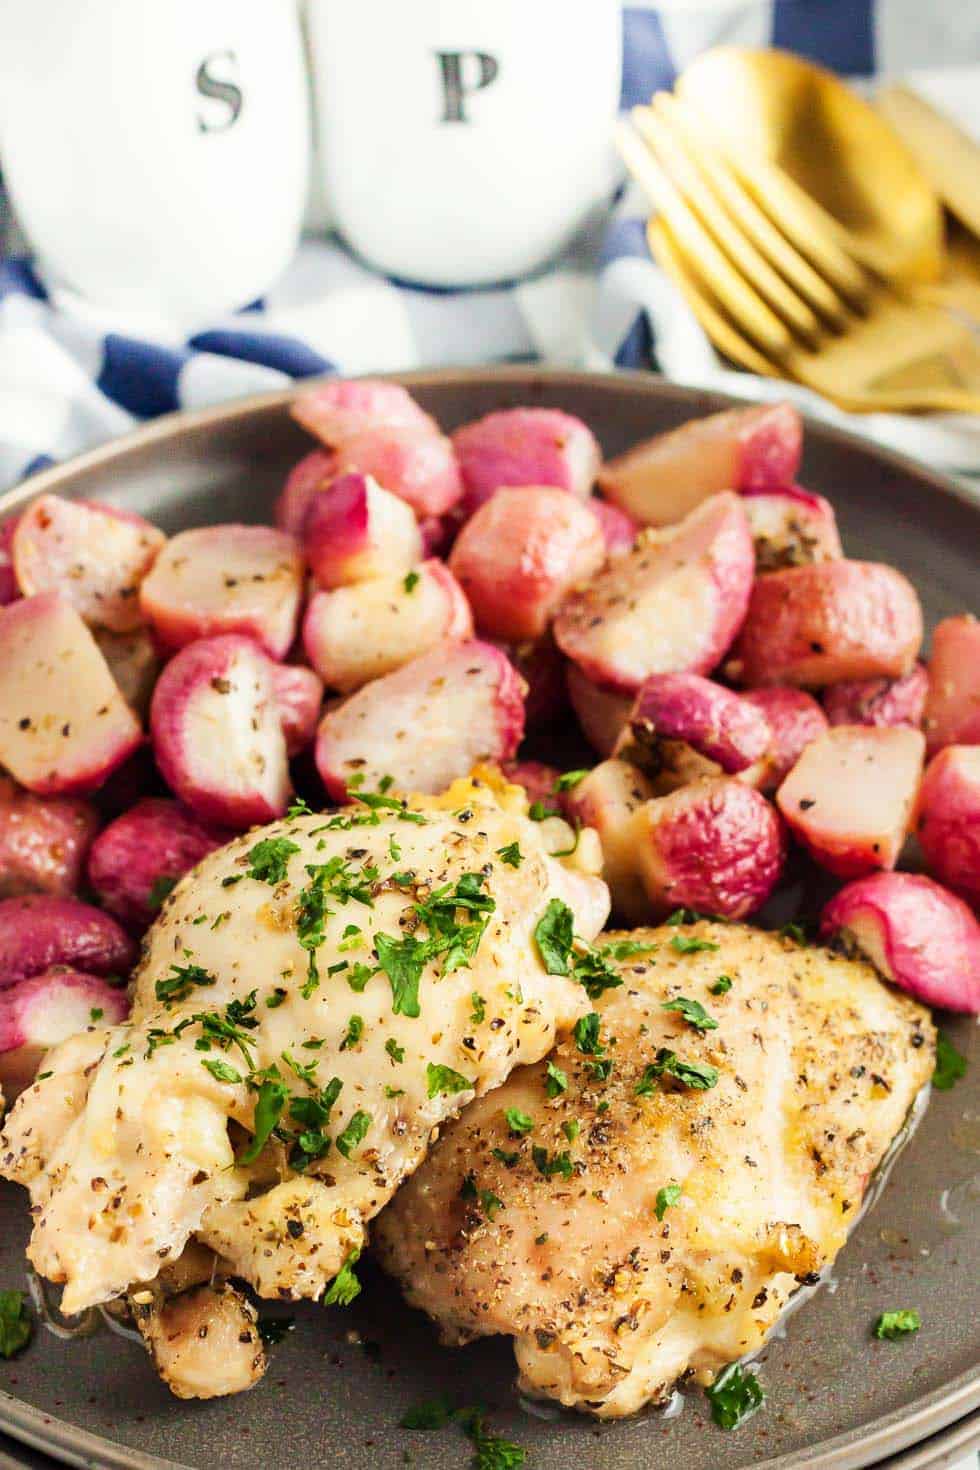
<point x="72" y="375"/>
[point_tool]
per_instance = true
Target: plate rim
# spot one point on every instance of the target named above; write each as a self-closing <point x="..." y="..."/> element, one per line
<point x="853" y="1449"/>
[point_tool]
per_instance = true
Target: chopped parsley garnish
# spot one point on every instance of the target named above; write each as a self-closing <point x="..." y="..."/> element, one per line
<point x="269" y="859"/>
<point x="504" y="1157"/>
<point x="538" y="812"/>
<point x="358" y="975"/>
<point x="275" y="1000"/>
<point x="950" y="1064"/>
<point x="181" y="981"/>
<point x="440" y="1079"/>
<point x="554" y="935"/>
<point x="299" y="808"/>
<point x="479" y="1012"/>
<point x="490" y="1203"/>
<point x="550" y="1164"/>
<point x="556" y="1081"/>
<point x="353" y="1034"/>
<point x="272" y="1097"/>
<point x="690" y="944"/>
<point x="396" y="1052"/>
<point x="624" y="949"/>
<point x="666" y="1197"/>
<point x="453" y="939"/>
<point x="517" y="1121"/>
<point x="220" y="1071"/>
<point x="892" y="1325"/>
<point x="394" y="1091"/>
<point x="345" y="1285"/>
<point x="491" y="1451"/>
<point x="599" y="1070"/>
<point x="734" y="1396"/>
<point x="275" y="1329"/>
<point x="586" y="1033"/>
<point x="511" y="855"/>
<point x="569" y="779"/>
<point x="354" y="1133"/>
<point x="160" y="890"/>
<point x="411" y="581"/>
<point x="430" y="1414"/>
<point x="403" y="961"/>
<point x="685" y="916"/>
<point x="376" y="801"/>
<point x="796" y="932"/>
<point x="571" y="1129"/>
<point x="15" y="1323"/>
<point x="696" y="1075"/>
<point x="336" y="879"/>
<point x="593" y="971"/>
<point x="96" y="1014"/>
<point x="722" y="985"/>
<point x="693" y="1012"/>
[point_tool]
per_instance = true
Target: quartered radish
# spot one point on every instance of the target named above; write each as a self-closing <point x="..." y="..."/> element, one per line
<point x="952" y="714"/>
<point x="609" y="800"/>
<point x="791" y="528"/>
<point x="671" y="605"/>
<point x="526" y="446"/>
<point x="879" y="701"/>
<point x="37" y="1014"/>
<point x="417" y="465"/>
<point x="39" y="930"/>
<point x="795" y="718"/>
<point x="298" y="693"/>
<point x="43" y="841"/>
<point x="850" y="796"/>
<point x="619" y="530"/>
<point x="602" y="714"/>
<point x="226" y="579"/>
<point x="948" y="819"/>
<point x="355" y="531"/>
<point x="217" y="732"/>
<point x="683" y="726"/>
<point x="425" y="724"/>
<point x="137" y="859"/>
<point x="335" y="410"/>
<point x="305" y="480"/>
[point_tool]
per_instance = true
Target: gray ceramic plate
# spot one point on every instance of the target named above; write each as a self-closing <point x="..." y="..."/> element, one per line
<point x="342" y="1379"/>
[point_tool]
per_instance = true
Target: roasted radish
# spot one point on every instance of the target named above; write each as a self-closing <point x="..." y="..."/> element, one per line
<point x="217" y="732"/>
<point x="601" y="714"/>
<point x="415" y="464"/>
<point x="824" y="623"/>
<point x="791" y="528"/>
<point x="948" y="819"/>
<point x="879" y="701"/>
<point x="609" y="800"/>
<point x="9" y="591"/>
<point x="355" y="634"/>
<point x="226" y="579"/>
<point x="355" y="531"/>
<point x="526" y="446"/>
<point x="37" y="1014"/>
<point x="138" y="858"/>
<point x="953" y="707"/>
<point x="849" y="798"/>
<point x="914" y="932"/>
<point x="671" y="605"/>
<point x="133" y="662"/>
<point x="663" y="479"/>
<point x="520" y="554"/>
<point x="683" y="726"/>
<point x="795" y="718"/>
<point x="312" y="474"/>
<point x="540" y="783"/>
<point x="64" y="726"/>
<point x="335" y="410"/>
<point x="39" y="930"/>
<point x="425" y="724"/>
<point x="619" y="530"/>
<point x="43" y="841"/>
<point x="716" y="846"/>
<point x="298" y="694"/>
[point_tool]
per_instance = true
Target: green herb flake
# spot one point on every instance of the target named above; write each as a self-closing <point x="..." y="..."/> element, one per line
<point x="550" y="1164"/>
<point x="160" y="890"/>
<point x="569" y="779"/>
<point x="892" y="1325"/>
<point x="625" y="949"/>
<point x="96" y="1014"/>
<point x="511" y="854"/>
<point x="796" y="932"/>
<point x="479" y="1012"/>
<point x="411" y="581"/>
<point x="666" y="1197"/>
<point x="272" y="1097"/>
<point x="181" y="981"/>
<point x="586" y="1033"/>
<point x="593" y="971"/>
<point x="693" y="1012"/>
<point x="556" y="1081"/>
<point x="345" y="1285"/>
<point x="505" y="1157"/>
<point x="722" y="985"/>
<point x="538" y="812"/>
<point x="685" y="916"/>
<point x="950" y="1064"/>
<point x="269" y="859"/>
<point x="440" y="1079"/>
<point x="696" y="1075"/>
<point x="571" y="1129"/>
<point x="299" y="808"/>
<point x="16" y="1326"/>
<point x="220" y="1071"/>
<point x="353" y="1034"/>
<point x="396" y="1052"/>
<point x="690" y="944"/>
<point x="354" y="1133"/>
<point x="735" y="1396"/>
<point x="430" y="1414"/>
<point x="490" y="1451"/>
<point x="275" y="1000"/>
<point x="518" y="1122"/>
<point x="403" y="961"/>
<point x="554" y="935"/>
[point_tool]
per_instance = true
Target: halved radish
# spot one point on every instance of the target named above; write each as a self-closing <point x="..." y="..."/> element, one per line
<point x="415" y="464"/>
<point x="914" y="932"/>
<point x="795" y="718"/>
<point x="673" y="604"/>
<point x="663" y="479"/>
<point x="43" y="841"/>
<point x="92" y="556"/>
<point x="334" y="410"/>
<point x="355" y="530"/>
<point x="716" y="846"/>
<point x="425" y="724"/>
<point x="828" y="622"/>
<point x="37" y="1014"/>
<point x="791" y="528"/>
<point x="298" y="694"/>
<point x="226" y="579"/>
<point x="519" y="555"/>
<point x="683" y="726"/>
<point x="948" y="819"/>
<point x="601" y="714"/>
<point x="39" y="930"/>
<point x="310" y="475"/>
<point x="609" y="800"/>
<point x="849" y="798"/>
<point x="64" y="726"/>
<point x="953" y="707"/>
<point x="526" y="446"/>
<point x="9" y="591"/>
<point x="355" y="634"/>
<point x="619" y="530"/>
<point x="879" y="701"/>
<point x="217" y="732"/>
<point x="133" y="662"/>
<point x="138" y="858"/>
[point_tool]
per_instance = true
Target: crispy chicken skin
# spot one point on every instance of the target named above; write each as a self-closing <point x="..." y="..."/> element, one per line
<point x="818" y="1063"/>
<point x="126" y="1145"/>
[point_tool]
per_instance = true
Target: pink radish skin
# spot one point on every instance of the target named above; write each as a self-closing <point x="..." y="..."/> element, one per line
<point x="355" y="634"/>
<point x="716" y="846"/>
<point x="439" y="533"/>
<point x="416" y="465"/>
<point x="43" y="841"/>
<point x="879" y="701"/>
<point x="542" y="668"/>
<point x="671" y="605"/>
<point x="520" y="554"/>
<point x="850" y="796"/>
<point x="601" y="714"/>
<point x="526" y="446"/>
<point x="217" y="733"/>
<point x="619" y="530"/>
<point x="92" y="556"/>
<point x="683" y="726"/>
<point x="791" y="528"/>
<point x="39" y="930"/>
<point x="226" y="579"/>
<point x="64" y="726"/>
<point x="134" y="664"/>
<point x="37" y="1014"/>
<point x="914" y="932"/>
<point x="356" y="531"/>
<point x="795" y="719"/>
<point x="427" y="723"/>
<point x="953" y="707"/>
<point x="298" y="693"/>
<point x="610" y="799"/>
<point x="305" y="480"/>
<point x="827" y="623"/>
<point x="334" y="411"/>
<point x="538" y="781"/>
<point x="9" y="591"/>
<point x="663" y="479"/>
<point x="155" y="840"/>
<point x="948" y="819"/>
